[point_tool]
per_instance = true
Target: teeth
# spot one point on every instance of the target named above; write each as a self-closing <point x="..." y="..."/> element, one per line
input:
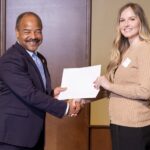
<point x="127" y="30"/>
<point x="33" y="42"/>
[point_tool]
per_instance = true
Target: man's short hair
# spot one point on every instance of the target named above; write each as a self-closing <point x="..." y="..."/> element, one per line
<point x="20" y="17"/>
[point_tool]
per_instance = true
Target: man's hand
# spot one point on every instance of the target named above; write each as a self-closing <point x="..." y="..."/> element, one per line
<point x="74" y="108"/>
<point x="58" y="90"/>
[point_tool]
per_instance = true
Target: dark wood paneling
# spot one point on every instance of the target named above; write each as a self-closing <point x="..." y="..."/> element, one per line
<point x="2" y="27"/>
<point x="66" y="44"/>
<point x="68" y="133"/>
<point x="100" y="138"/>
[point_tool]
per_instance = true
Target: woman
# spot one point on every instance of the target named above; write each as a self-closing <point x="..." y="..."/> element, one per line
<point x="128" y="81"/>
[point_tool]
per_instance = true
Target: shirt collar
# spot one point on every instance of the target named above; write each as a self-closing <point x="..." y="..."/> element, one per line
<point x="31" y="53"/>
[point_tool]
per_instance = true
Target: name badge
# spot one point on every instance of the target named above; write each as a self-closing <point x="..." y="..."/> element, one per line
<point x="126" y="62"/>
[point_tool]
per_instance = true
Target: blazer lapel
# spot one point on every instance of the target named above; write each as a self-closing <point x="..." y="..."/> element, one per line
<point x="27" y="56"/>
<point x="47" y="75"/>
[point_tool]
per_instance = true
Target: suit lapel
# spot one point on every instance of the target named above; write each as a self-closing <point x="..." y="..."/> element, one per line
<point x="28" y="57"/>
<point x="47" y="76"/>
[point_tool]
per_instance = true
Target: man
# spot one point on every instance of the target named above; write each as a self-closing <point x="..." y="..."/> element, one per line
<point x="25" y="90"/>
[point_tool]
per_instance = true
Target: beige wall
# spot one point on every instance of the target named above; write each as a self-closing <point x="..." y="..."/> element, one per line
<point x="104" y="13"/>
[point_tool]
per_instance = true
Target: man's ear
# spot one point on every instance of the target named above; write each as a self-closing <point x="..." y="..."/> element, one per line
<point x="17" y="33"/>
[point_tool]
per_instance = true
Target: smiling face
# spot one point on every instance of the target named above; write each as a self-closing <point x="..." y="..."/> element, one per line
<point x="129" y="24"/>
<point x="29" y="33"/>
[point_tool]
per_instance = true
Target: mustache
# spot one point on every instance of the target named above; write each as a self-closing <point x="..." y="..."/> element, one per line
<point x="34" y="40"/>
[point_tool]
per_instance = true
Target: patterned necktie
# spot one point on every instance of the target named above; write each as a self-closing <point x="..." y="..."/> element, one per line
<point x="40" y="67"/>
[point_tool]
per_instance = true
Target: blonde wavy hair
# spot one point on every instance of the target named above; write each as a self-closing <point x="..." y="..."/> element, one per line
<point x="121" y="44"/>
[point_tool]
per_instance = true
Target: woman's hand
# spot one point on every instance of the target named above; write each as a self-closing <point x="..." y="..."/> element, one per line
<point x="103" y="82"/>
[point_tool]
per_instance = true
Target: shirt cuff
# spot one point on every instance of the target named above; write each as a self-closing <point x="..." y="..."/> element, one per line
<point x="67" y="109"/>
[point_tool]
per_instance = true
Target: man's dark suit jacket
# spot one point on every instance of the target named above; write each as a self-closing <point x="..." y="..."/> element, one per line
<point x="23" y="98"/>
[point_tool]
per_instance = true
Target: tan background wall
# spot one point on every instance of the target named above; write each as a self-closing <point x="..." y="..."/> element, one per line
<point x="104" y="13"/>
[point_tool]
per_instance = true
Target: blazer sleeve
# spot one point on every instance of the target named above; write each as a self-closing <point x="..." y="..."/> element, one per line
<point x="13" y="72"/>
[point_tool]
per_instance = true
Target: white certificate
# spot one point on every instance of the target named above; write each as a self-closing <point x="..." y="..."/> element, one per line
<point x="79" y="82"/>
